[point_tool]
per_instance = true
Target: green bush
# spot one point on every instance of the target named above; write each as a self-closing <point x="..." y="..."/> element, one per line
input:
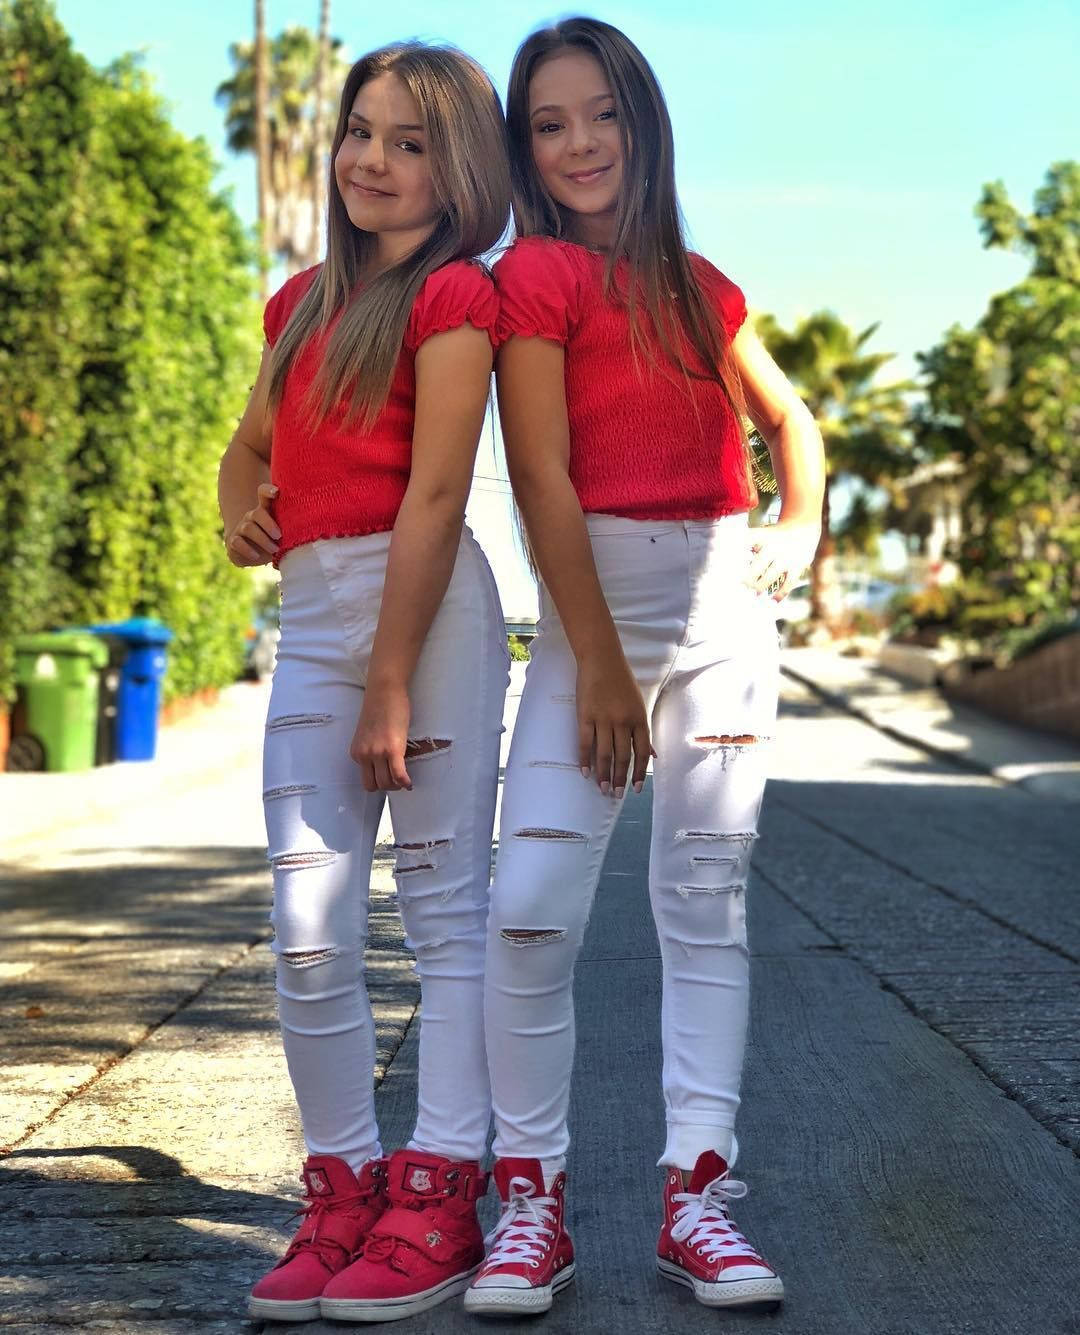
<point x="143" y="382"/>
<point x="519" y="649"/>
<point x="45" y="91"/>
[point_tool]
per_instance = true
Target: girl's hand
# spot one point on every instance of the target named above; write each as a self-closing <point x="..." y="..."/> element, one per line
<point x="611" y="723"/>
<point x="779" y="554"/>
<point x="381" y="736"/>
<point x="254" y="540"/>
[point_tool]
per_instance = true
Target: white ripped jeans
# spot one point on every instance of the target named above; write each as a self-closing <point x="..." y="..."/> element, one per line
<point x="703" y="649"/>
<point x="321" y="828"/>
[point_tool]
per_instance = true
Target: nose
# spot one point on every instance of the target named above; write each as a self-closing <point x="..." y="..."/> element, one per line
<point x="582" y="138"/>
<point x="372" y="157"/>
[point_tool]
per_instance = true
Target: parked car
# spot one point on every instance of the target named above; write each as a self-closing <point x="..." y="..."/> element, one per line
<point x="794" y="608"/>
<point x="260" y="653"/>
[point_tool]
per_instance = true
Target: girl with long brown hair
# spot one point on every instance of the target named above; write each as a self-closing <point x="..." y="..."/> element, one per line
<point x="625" y="381"/>
<point x="350" y="470"/>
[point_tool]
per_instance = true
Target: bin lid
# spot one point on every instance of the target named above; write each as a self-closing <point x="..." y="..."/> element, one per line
<point x="136" y="630"/>
<point x="72" y="643"/>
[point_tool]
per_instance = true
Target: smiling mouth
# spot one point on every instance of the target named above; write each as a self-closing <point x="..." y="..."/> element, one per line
<point x="587" y="177"/>
<point x="370" y="190"/>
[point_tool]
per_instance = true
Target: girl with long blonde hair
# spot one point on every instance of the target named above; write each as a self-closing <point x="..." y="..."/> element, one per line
<point x="350" y="470"/>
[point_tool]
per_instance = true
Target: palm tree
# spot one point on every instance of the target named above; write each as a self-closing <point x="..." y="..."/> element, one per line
<point x="295" y="158"/>
<point x="862" y="424"/>
<point x="262" y="134"/>
<point x="318" y="179"/>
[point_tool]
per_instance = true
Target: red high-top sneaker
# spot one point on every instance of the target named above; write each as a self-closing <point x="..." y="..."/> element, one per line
<point x="531" y="1255"/>
<point x="341" y="1208"/>
<point x="701" y="1247"/>
<point x="423" y="1250"/>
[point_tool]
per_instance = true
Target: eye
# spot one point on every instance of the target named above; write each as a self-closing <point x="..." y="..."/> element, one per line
<point x="359" y="132"/>
<point x="410" y="146"/>
<point x="547" y="127"/>
<point x="608" y="114"/>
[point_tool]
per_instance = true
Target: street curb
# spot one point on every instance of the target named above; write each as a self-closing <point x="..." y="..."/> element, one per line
<point x="959" y="759"/>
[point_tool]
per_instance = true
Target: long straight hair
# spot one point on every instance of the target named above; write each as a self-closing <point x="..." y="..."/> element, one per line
<point x="466" y="134"/>
<point x="648" y="222"/>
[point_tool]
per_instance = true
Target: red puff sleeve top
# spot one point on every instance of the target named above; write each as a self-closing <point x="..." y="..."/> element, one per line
<point x="337" y="481"/>
<point x="644" y="443"/>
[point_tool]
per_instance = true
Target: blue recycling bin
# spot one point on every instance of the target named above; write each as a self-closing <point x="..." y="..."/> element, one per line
<point x="138" y="702"/>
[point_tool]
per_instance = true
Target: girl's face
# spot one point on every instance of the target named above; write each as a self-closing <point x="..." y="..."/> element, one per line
<point x="383" y="170"/>
<point x="576" y="145"/>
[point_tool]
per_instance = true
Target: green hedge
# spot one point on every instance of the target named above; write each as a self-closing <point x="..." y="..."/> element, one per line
<point x="142" y="379"/>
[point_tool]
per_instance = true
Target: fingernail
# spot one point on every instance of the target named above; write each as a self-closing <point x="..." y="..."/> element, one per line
<point x="585" y="771"/>
<point x="605" y="786"/>
<point x="620" y="792"/>
<point x="638" y="785"/>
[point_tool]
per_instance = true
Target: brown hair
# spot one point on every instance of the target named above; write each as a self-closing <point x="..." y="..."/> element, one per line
<point x="466" y="132"/>
<point x="648" y="221"/>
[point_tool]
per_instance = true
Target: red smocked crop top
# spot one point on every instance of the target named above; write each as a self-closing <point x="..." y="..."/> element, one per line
<point x="643" y="443"/>
<point x="337" y="481"/>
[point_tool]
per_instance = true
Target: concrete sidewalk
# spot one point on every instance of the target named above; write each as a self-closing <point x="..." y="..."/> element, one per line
<point x="922" y="715"/>
<point x="910" y="1117"/>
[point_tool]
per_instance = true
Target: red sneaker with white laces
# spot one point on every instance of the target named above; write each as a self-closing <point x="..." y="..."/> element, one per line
<point x="701" y="1247"/>
<point x="423" y="1250"/>
<point x="341" y="1207"/>
<point x="531" y="1255"/>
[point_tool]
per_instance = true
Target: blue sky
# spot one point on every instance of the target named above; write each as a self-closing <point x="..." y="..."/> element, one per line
<point x="828" y="154"/>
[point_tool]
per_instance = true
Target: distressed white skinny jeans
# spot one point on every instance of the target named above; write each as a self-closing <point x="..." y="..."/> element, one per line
<point x="703" y="649"/>
<point x="321" y="828"/>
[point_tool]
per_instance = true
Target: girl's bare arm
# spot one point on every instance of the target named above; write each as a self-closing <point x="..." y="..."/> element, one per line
<point x="612" y="722"/>
<point x="244" y="490"/>
<point x="453" y="376"/>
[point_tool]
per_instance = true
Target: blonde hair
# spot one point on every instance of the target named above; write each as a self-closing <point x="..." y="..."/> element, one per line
<point x="471" y="175"/>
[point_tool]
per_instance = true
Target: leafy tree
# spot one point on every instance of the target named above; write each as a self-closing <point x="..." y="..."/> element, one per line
<point x="163" y="379"/>
<point x="130" y="334"/>
<point x="862" y="423"/>
<point x="1004" y="399"/>
<point x="45" y="88"/>
<point x="297" y="160"/>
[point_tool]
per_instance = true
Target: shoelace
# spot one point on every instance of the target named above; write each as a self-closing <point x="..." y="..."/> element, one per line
<point x="703" y="1219"/>
<point x="519" y="1235"/>
<point x="314" y="1210"/>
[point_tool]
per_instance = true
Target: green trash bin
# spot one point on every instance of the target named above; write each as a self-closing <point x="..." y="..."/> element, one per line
<point x="54" y="724"/>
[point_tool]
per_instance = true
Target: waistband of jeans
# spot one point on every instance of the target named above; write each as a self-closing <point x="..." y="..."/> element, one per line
<point x="603" y="525"/>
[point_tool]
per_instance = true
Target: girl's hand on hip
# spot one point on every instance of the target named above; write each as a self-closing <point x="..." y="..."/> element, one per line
<point x="779" y="554"/>
<point x="612" y="724"/>
<point x="254" y="540"/>
<point x="381" y="736"/>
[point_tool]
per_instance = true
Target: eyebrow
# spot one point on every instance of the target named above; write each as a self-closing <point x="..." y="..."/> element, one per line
<point x="355" y="116"/>
<point x="597" y="97"/>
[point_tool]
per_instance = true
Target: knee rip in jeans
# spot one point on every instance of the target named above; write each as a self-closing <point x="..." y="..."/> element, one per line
<point x="729" y="744"/>
<point x="412" y="858"/>
<point x="742" y="837"/>
<point x="284" y="721"/>
<point x="685" y="891"/>
<point x="524" y="936"/>
<point x="419" y="748"/>
<point x="316" y="858"/>
<point x="551" y="836"/>
<point x="289" y="790"/>
<point x="308" y="959"/>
